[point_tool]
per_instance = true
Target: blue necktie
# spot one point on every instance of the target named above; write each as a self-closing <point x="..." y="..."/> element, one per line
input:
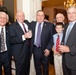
<point x="38" y="39"/>
<point x="67" y="32"/>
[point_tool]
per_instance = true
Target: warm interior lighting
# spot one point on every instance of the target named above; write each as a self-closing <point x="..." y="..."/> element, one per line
<point x="44" y="0"/>
<point x="69" y="3"/>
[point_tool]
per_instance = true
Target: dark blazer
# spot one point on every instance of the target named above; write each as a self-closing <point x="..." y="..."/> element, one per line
<point x="46" y="36"/>
<point x="19" y="47"/>
<point x="70" y="58"/>
<point x="7" y="42"/>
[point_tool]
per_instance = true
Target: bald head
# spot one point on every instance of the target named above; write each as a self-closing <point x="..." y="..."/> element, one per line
<point x="20" y="17"/>
<point x="60" y="17"/>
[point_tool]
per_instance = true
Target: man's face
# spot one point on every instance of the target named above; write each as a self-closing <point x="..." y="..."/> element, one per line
<point x="20" y="17"/>
<point x="3" y="19"/>
<point x="71" y="13"/>
<point x="59" y="18"/>
<point x="40" y="16"/>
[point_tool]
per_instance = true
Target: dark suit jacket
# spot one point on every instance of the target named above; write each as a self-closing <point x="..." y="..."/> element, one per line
<point x="7" y="42"/>
<point x="70" y="58"/>
<point x="20" y="48"/>
<point x="46" y="36"/>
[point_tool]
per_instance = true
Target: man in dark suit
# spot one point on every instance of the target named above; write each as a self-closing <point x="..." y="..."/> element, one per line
<point x="69" y="41"/>
<point x="20" y="37"/>
<point x="5" y="51"/>
<point x="41" y="43"/>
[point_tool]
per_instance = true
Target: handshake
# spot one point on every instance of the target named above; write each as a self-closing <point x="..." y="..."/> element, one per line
<point x="28" y="34"/>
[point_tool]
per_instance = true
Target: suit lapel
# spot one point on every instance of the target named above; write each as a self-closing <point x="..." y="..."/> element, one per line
<point x="0" y="42"/>
<point x="64" y="32"/>
<point x="19" y="28"/>
<point x="34" y="27"/>
<point x="6" y="33"/>
<point x="72" y="32"/>
<point x="43" y="29"/>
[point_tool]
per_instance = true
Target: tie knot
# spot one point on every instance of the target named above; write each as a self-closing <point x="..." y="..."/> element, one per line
<point x="2" y="28"/>
<point x="58" y="36"/>
<point x="22" y="23"/>
<point x="39" y="23"/>
<point x="70" y="23"/>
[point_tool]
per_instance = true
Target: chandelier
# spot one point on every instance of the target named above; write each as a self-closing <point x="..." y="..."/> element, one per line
<point x="69" y="3"/>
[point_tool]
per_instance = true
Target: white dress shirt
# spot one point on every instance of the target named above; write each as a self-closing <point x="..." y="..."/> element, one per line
<point x="26" y="26"/>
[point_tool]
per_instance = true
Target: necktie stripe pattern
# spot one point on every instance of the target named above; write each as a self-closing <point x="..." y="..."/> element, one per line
<point x="57" y="43"/>
<point x="2" y="40"/>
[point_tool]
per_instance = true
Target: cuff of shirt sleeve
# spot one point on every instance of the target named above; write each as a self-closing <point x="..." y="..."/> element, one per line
<point x="23" y="38"/>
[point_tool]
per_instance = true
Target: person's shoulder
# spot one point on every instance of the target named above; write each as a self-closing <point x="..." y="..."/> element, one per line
<point x="26" y="21"/>
<point x="33" y="22"/>
<point x="13" y="24"/>
<point x="49" y="23"/>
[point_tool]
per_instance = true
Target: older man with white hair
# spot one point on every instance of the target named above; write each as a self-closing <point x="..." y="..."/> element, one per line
<point x="20" y="41"/>
<point x="5" y="50"/>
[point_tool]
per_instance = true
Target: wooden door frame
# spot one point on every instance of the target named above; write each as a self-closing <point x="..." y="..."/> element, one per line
<point x="15" y="8"/>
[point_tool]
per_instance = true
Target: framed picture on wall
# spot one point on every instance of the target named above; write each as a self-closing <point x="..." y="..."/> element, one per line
<point x="11" y="9"/>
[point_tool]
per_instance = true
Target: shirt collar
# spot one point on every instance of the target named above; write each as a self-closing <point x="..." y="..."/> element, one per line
<point x="73" y="22"/>
<point x="60" y="33"/>
<point x="2" y="27"/>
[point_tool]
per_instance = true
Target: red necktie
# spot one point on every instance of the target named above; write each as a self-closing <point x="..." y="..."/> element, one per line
<point x="57" y="43"/>
<point x="24" y="28"/>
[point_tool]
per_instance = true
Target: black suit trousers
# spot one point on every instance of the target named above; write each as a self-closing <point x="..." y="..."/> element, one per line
<point x="41" y="62"/>
<point x="66" y="70"/>
<point x="6" y="63"/>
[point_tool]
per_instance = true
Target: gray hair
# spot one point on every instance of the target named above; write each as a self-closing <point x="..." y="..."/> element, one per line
<point x="71" y="7"/>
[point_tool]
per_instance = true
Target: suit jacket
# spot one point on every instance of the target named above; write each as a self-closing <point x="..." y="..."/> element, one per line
<point x="46" y="36"/>
<point x="7" y="42"/>
<point x="20" y="48"/>
<point x="70" y="57"/>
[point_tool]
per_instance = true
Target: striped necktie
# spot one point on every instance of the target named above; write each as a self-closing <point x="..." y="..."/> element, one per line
<point x="57" y="43"/>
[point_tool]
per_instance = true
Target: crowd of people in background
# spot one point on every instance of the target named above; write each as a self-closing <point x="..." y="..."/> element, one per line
<point x="21" y="39"/>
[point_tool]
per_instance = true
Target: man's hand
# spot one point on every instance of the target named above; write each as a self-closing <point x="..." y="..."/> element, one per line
<point x="46" y="52"/>
<point x="63" y="48"/>
<point x="28" y="35"/>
